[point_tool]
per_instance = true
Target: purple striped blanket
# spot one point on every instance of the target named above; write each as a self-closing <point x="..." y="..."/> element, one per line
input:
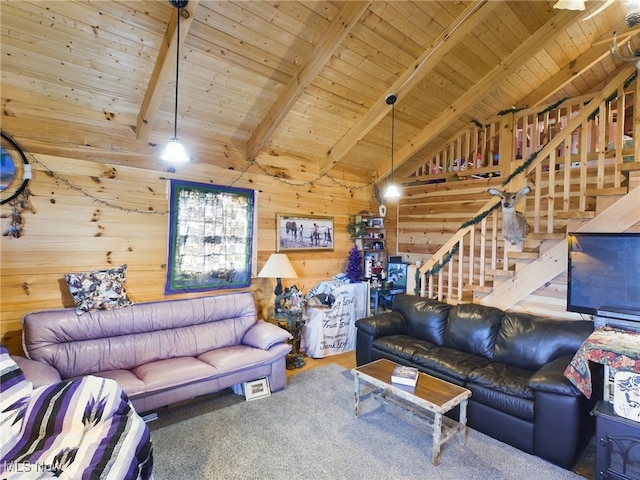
<point x="77" y="429"/>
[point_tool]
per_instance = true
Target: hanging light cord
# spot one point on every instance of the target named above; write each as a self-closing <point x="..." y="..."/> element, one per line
<point x="175" y="110"/>
<point x="393" y="134"/>
<point x="391" y="100"/>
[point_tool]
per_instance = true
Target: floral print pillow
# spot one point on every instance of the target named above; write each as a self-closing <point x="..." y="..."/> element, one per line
<point x="99" y="289"/>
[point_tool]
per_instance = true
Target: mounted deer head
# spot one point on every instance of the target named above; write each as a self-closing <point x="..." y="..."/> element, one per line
<point x="514" y="225"/>
<point x="629" y="55"/>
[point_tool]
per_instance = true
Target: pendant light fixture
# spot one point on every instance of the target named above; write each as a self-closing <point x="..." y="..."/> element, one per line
<point x="175" y="151"/>
<point x="392" y="192"/>
<point x="569" y="5"/>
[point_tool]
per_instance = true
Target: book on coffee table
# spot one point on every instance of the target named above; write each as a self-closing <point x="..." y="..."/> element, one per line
<point x="404" y="375"/>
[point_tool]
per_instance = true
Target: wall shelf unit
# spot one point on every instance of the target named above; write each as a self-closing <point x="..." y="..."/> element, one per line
<point x="369" y="235"/>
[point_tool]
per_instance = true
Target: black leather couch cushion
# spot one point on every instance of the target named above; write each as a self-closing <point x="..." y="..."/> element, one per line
<point x="473" y="328"/>
<point x="530" y="342"/>
<point x="426" y="318"/>
<point x="551" y="379"/>
<point x="504" y="378"/>
<point x="522" y="408"/>
<point x="504" y="388"/>
<point x="400" y="346"/>
<point x="447" y="362"/>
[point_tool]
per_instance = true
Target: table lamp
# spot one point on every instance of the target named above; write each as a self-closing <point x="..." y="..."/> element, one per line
<point x="278" y="266"/>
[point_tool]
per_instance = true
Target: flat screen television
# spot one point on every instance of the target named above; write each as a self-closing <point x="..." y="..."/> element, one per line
<point x="603" y="272"/>
<point x="397" y="273"/>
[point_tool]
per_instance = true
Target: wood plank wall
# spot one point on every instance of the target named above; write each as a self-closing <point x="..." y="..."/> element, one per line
<point x="72" y="232"/>
<point x="430" y="214"/>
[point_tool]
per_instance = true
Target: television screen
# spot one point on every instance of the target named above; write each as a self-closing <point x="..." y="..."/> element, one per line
<point x="397" y="273"/>
<point x="603" y="272"/>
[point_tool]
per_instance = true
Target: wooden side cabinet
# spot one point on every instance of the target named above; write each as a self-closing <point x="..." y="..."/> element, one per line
<point x="617" y="445"/>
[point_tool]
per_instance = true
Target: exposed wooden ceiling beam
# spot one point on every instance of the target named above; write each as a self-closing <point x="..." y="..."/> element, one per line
<point x="567" y="74"/>
<point x="341" y="25"/>
<point x="501" y="71"/>
<point x="475" y="13"/>
<point x="163" y="69"/>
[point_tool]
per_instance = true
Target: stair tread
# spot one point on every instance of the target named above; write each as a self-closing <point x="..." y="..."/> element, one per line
<point x="517" y="255"/>
<point x="628" y="166"/>
<point x="500" y="272"/>
<point x="576" y="214"/>
<point x="596" y="192"/>
<point x="478" y="288"/>
<point x="487" y="283"/>
<point x="548" y="236"/>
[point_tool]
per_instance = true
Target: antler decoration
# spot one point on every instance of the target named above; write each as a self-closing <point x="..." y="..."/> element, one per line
<point x="20" y="204"/>
<point x="630" y="55"/>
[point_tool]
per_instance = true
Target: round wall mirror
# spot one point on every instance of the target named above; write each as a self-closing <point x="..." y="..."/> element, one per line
<point x="13" y="165"/>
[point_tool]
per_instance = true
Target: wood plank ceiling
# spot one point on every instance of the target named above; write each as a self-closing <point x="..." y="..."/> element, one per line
<point x="288" y="81"/>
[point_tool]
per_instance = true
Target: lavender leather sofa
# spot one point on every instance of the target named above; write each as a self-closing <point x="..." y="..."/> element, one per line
<point x="159" y="352"/>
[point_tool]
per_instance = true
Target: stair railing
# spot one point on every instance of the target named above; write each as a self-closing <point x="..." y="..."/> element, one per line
<point x="568" y="160"/>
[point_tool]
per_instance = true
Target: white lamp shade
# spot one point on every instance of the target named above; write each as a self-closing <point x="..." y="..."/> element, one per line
<point x="569" y="5"/>
<point x="392" y="191"/>
<point x="278" y="266"/>
<point x="175" y="152"/>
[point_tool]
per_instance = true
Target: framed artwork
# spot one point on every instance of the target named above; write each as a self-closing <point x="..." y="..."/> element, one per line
<point x="376" y="222"/>
<point x="257" y="389"/>
<point x="210" y="237"/>
<point x="397" y="273"/>
<point x="303" y="232"/>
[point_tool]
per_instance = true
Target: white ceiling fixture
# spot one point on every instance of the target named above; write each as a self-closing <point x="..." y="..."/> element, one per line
<point x="632" y="8"/>
<point x="570" y="5"/>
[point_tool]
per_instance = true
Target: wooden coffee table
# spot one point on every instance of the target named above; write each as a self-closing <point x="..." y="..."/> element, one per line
<point x="430" y="399"/>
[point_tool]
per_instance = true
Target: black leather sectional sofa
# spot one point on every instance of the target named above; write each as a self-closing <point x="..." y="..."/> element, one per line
<point x="513" y="363"/>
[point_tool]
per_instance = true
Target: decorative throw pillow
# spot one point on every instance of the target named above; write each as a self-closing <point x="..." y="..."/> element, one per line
<point x="98" y="290"/>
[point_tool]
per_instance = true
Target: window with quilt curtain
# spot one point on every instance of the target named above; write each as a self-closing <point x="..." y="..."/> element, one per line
<point x="210" y="237"/>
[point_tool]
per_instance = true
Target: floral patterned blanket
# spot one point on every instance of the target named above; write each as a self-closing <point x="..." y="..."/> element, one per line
<point x="73" y="429"/>
<point x="619" y="349"/>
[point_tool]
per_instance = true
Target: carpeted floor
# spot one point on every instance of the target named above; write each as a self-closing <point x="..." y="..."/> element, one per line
<point x="309" y="431"/>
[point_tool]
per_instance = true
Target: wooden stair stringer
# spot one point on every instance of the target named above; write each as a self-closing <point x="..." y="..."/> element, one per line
<point x="618" y="217"/>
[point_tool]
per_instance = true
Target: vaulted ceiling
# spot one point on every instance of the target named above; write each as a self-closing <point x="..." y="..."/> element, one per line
<point x="288" y="81"/>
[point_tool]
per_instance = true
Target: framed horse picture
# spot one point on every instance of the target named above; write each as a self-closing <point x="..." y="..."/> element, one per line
<point x="303" y="232"/>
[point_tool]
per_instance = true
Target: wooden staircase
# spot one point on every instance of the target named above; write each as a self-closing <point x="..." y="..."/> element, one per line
<point x="620" y="216"/>
<point x="577" y="185"/>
